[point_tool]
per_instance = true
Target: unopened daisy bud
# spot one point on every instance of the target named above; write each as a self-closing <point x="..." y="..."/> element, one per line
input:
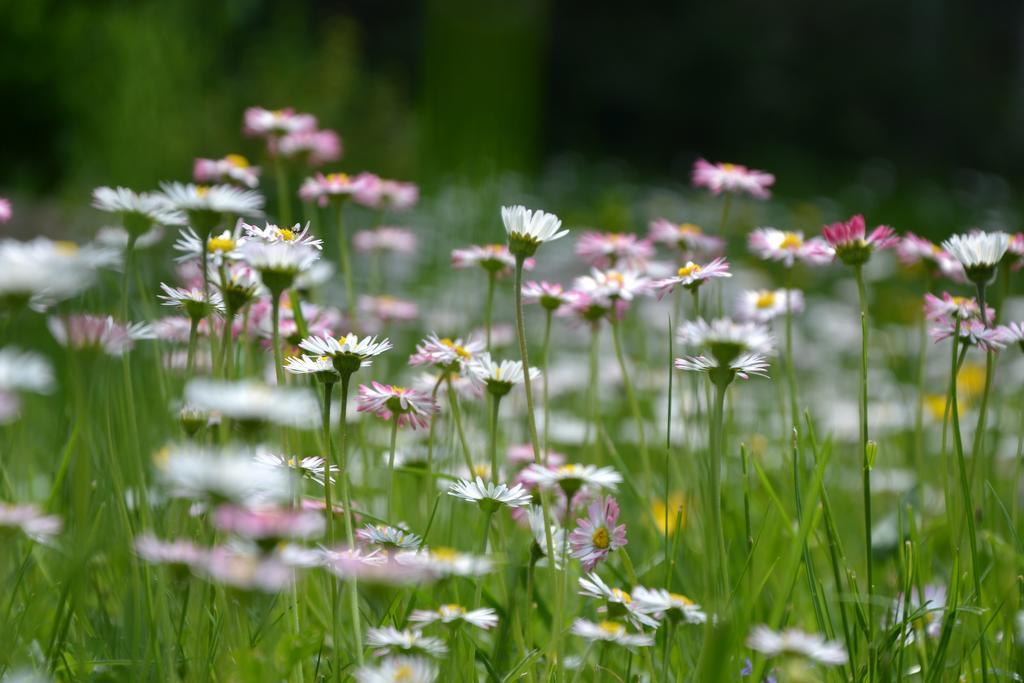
<point x="527" y="229"/>
<point x="979" y="253"/>
<point x="192" y="419"/>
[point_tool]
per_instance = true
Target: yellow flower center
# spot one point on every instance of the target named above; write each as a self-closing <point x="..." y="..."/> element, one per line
<point x="237" y="160"/>
<point x="481" y="471"/>
<point x="570" y="469"/>
<point x="681" y="598"/>
<point x="202" y="190"/>
<point x="600" y="538"/>
<point x="458" y="349"/>
<point x="690" y="268"/>
<point x="444" y="554"/>
<point x="616" y="277"/>
<point x="291" y="462"/>
<point x="286" y="234"/>
<point x="622" y="596"/>
<point x="162" y="456"/>
<point x="765" y="299"/>
<point x="658" y="512"/>
<point x="337" y="177"/>
<point x="403" y="673"/>
<point x="689" y="229"/>
<point x="65" y="247"/>
<point x="453" y="609"/>
<point x="791" y="240"/>
<point x="612" y="628"/>
<point x="220" y="244"/>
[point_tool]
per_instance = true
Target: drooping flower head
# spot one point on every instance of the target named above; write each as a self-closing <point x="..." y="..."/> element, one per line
<point x="764" y="305"/>
<point x="233" y="168"/>
<point x="618" y="603"/>
<point x="692" y="276"/>
<point x="527" y="229"/>
<point x="138" y="211"/>
<point x="788" y="247"/>
<point x="734" y="178"/>
<point x="979" y="253"/>
<point x="686" y="237"/>
<point x="597" y="534"/>
<point x="412" y="407"/>
<point x="852" y="243"/>
<point x="614" y="250"/>
<point x="672" y="606"/>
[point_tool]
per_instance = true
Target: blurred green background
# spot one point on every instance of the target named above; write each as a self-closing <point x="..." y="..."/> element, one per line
<point x="911" y="109"/>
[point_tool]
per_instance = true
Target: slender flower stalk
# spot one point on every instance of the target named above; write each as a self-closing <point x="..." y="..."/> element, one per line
<point x="345" y="262"/>
<point x="866" y="461"/>
<point x="492" y="279"/>
<point x="634" y="406"/>
<point x="544" y="364"/>
<point x="346" y="498"/>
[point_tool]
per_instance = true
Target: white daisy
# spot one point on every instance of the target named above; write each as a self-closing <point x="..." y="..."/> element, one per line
<point x="613" y="285"/>
<point x="389" y="537"/>
<point x="490" y="496"/>
<point x="98" y="333"/>
<point x="539" y="548"/>
<point x="25" y="371"/>
<point x="979" y="253"/>
<point x="498" y="378"/>
<point x="796" y="642"/>
<point x="225" y="246"/>
<point x="671" y="605"/>
<point x="484" y="618"/>
<point x="278" y="263"/>
<point x="349" y="353"/>
<point x="619" y="604"/>
<point x="298" y="235"/>
<point x="444" y="562"/>
<point x="401" y="669"/>
<point x="528" y="229"/>
<point x="45" y="272"/>
<point x="138" y="210"/>
<point x="389" y="640"/>
<point x="213" y="199"/>
<point x="192" y="300"/>
<point x="253" y="402"/>
<point x="764" y="305"/>
<point x="222" y="474"/>
<point x="744" y="365"/>
<point x="572" y="477"/>
<point x="30" y="520"/>
<point x="610" y="632"/>
<point x="309" y="468"/>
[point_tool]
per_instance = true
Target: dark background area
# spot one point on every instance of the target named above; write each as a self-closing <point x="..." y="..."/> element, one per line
<point x="923" y="97"/>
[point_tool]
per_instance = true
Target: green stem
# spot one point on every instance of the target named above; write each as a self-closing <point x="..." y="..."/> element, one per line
<point x="453" y="402"/>
<point x="346" y="266"/>
<point x="492" y="278"/>
<point x="346" y="498"/>
<point x="634" y="406"/>
<point x="284" y="205"/>
<point x="716" y="536"/>
<point x="391" y="467"/>
<point x="325" y="416"/>
<point x="922" y="348"/>
<point x="866" y="467"/>
<point x="544" y="379"/>
<point x="592" y="387"/>
<point x="517" y="287"/>
<point x="965" y="491"/>
<point x="275" y="338"/>
<point x="225" y="349"/>
<point x="193" y="337"/>
<point x="790" y="369"/>
<point x="493" y="437"/>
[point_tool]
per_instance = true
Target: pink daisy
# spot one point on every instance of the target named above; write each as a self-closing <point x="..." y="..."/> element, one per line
<point x="720" y="178"/>
<point x="853" y="245"/>
<point x="446" y="353"/>
<point x="962" y="307"/>
<point x="233" y="168"/>
<point x="913" y="249"/>
<point x="337" y="186"/>
<point x="385" y="239"/>
<point x="386" y="309"/>
<point x="413" y="407"/>
<point x="597" y="534"/>
<point x="612" y="249"/>
<point x="378" y="193"/>
<point x="686" y="237"/>
<point x="312" y="147"/>
<point x="5" y="210"/>
<point x="973" y="332"/>
<point x="788" y="247"/>
<point x="692" y="276"/>
<point x="260" y="122"/>
<point x="550" y="295"/>
<point x="494" y="258"/>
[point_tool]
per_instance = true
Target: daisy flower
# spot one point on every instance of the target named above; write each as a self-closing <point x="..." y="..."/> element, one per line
<point x="192" y="300"/>
<point x="348" y="353"/>
<point x="1013" y="333"/>
<point x="795" y="642"/>
<point x="233" y="168"/>
<point x="527" y="229"/>
<point x="279" y="263"/>
<point x="926" y="612"/>
<point x="5" y="210"/>
<point x="913" y="249"/>
<point x="490" y="496"/>
<point x="245" y="570"/>
<point x="962" y="307"/>
<point x="382" y="194"/>
<point x="535" y="516"/>
<point x="979" y="253"/>
<point x="221" y="474"/>
<point x="219" y="248"/>
<point x="268" y="524"/>
<point x="251" y="402"/>
<point x="297" y="235"/>
<point x="333" y="186"/>
<point x="389" y="537"/>
<point x="387" y="309"/>
<point x="692" y="276"/>
<point x="610" y="632"/>
<point x="618" y="603"/>
<point x="389" y="640"/>
<point x="400" y="669"/>
<point x="686" y="237"/>
<point x="597" y="534"/>
<point x="493" y="258"/>
<point x="262" y="122"/>
<point x="498" y="378"/>
<point x="206" y="205"/>
<point x="310" y="147"/>
<point x="21" y="371"/>
<point x="320" y="367"/>
<point x="138" y="211"/>
<point x="550" y="295"/>
<point x="30" y="520"/>
<point x="764" y="305"/>
<point x="43" y="272"/>
<point x="311" y="468"/>
<point x="851" y="242"/>
<point x="484" y="618"/>
<point x="591" y="309"/>
<point x="180" y="552"/>
<point x="385" y="238"/>
<point x="239" y="285"/>
<point x="444" y="562"/>
<point x="673" y="606"/>
<point x="720" y="177"/>
<point x="377" y="568"/>
<point x="973" y="332"/>
<point x="572" y="477"/>
<point x="522" y="455"/>
<point x="788" y="247"/>
<point x="612" y="285"/>
<point x="613" y="249"/>
<point x="446" y="353"/>
<point x="98" y="333"/>
<point x="740" y="346"/>
<point x="412" y="407"/>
